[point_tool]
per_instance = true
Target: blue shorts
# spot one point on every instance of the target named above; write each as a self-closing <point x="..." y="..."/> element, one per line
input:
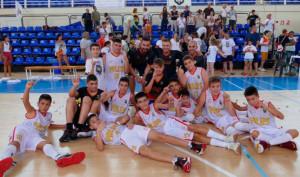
<point x="248" y="59"/>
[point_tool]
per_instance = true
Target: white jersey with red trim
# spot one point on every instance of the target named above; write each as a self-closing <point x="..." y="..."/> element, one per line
<point x="114" y="70"/>
<point x="111" y="134"/>
<point x="191" y="108"/>
<point x="176" y="99"/>
<point x="195" y="82"/>
<point x="153" y="119"/>
<point x="119" y="105"/>
<point x="215" y="109"/>
<point x="260" y="117"/>
<point x="38" y="124"/>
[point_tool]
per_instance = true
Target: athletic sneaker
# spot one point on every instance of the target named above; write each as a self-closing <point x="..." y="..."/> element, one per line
<point x="66" y="136"/>
<point x="199" y="148"/>
<point x="290" y="145"/>
<point x="70" y="159"/>
<point x="262" y="69"/>
<point x="73" y="135"/>
<point x="5" y="164"/>
<point x="236" y="147"/>
<point x="184" y="163"/>
<point x="231" y="138"/>
<point x="260" y="146"/>
<point x="85" y="132"/>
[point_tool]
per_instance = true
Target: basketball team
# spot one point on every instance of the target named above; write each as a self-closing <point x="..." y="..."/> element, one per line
<point x="176" y="99"/>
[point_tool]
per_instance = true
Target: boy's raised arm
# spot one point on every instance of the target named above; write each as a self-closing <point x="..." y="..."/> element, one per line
<point x="29" y="109"/>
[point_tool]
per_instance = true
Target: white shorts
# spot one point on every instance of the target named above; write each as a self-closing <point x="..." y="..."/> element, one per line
<point x="27" y="139"/>
<point x="136" y="137"/>
<point x="272" y="132"/>
<point x="177" y="128"/>
<point x="224" y="122"/>
<point x="106" y="116"/>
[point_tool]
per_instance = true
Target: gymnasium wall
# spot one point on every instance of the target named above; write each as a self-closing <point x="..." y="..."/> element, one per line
<point x="286" y="15"/>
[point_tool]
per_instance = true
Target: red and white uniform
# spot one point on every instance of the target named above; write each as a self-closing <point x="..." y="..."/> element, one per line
<point x="216" y="111"/>
<point x="31" y="132"/>
<point x="169" y="125"/>
<point x="195" y="82"/>
<point x="111" y="134"/>
<point x="114" y="70"/>
<point x="190" y="109"/>
<point x="263" y="121"/>
<point x="172" y="111"/>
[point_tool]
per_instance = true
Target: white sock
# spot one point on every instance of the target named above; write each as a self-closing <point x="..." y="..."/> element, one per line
<point x="50" y="151"/>
<point x="230" y="131"/>
<point x="243" y="127"/>
<point x="213" y="134"/>
<point x="9" y="151"/>
<point x="215" y="142"/>
<point x="281" y="139"/>
<point x="174" y="160"/>
<point x="263" y="137"/>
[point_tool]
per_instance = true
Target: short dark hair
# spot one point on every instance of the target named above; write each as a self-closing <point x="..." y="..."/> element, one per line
<point x="117" y="41"/>
<point x="146" y="39"/>
<point x="284" y="31"/>
<point x="89" y="119"/>
<point x="105" y="14"/>
<point x="158" y="61"/>
<point x="140" y="95"/>
<point x="162" y="36"/>
<point x="103" y="23"/>
<point x="250" y="91"/>
<point x="124" y="37"/>
<point x="45" y="97"/>
<point x="95" y="44"/>
<point x="167" y="40"/>
<point x="58" y="35"/>
<point x="174" y="79"/>
<point x="3" y="37"/>
<point x="267" y="31"/>
<point x="214" y="79"/>
<point x="187" y="57"/>
<point x="184" y="92"/>
<point x="110" y="34"/>
<point x="135" y="16"/>
<point x="91" y="77"/>
<point x="124" y="79"/>
<point x="106" y="43"/>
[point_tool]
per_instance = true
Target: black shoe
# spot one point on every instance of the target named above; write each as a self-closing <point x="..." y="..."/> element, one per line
<point x="73" y="135"/>
<point x="184" y="163"/>
<point x="199" y="148"/>
<point x="85" y="132"/>
<point x="66" y="136"/>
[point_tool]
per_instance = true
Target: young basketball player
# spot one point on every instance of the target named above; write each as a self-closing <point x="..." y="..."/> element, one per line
<point x="137" y="138"/>
<point x="118" y="104"/>
<point x="150" y="116"/>
<point x="95" y="65"/>
<point x="219" y="109"/>
<point x="195" y="78"/>
<point x="262" y="115"/>
<point x="78" y="107"/>
<point x="116" y="65"/>
<point x="31" y="133"/>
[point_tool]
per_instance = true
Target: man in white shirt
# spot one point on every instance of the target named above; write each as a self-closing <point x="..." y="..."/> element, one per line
<point x="232" y="18"/>
<point x="228" y="48"/>
<point x="223" y="13"/>
<point x="159" y="42"/>
<point x="269" y="24"/>
<point x="201" y="31"/>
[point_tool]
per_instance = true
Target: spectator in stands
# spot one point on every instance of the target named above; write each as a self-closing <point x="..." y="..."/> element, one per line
<point x="134" y="12"/>
<point x="207" y="11"/>
<point x="281" y="42"/>
<point x="181" y="25"/>
<point x="87" y="21"/>
<point x="217" y="28"/>
<point x="252" y="19"/>
<point x="85" y="44"/>
<point x="228" y="48"/>
<point x="249" y="51"/>
<point x="102" y="40"/>
<point x="197" y="39"/>
<point x="148" y="30"/>
<point x="146" y="16"/>
<point x="164" y="15"/>
<point x="175" y="42"/>
<point x="124" y="45"/>
<point x="210" y="22"/>
<point x="174" y="16"/>
<point x="224" y="13"/>
<point x="265" y="41"/>
<point x="110" y="38"/>
<point x="159" y="42"/>
<point x="202" y="31"/>
<point x="290" y="49"/>
<point x="103" y="28"/>
<point x="106" y="49"/>
<point x="269" y="24"/>
<point x="232" y="18"/>
<point x="185" y="42"/>
<point x="135" y="27"/>
<point x="112" y="22"/>
<point x="186" y="11"/>
<point x="129" y="21"/>
<point x="6" y="49"/>
<point x="190" y="23"/>
<point x="109" y="28"/>
<point x="61" y="52"/>
<point x="199" y="19"/>
<point x="95" y="17"/>
<point x="255" y="38"/>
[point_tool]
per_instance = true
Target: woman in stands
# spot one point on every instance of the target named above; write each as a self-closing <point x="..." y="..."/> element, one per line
<point x="164" y="15"/>
<point x="6" y="54"/>
<point x="61" y="52"/>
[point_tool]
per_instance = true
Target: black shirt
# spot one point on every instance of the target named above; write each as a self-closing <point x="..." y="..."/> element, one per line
<point x="87" y="18"/>
<point x="157" y="87"/>
<point x="184" y="47"/>
<point x="139" y="60"/>
<point x="199" y="60"/>
<point x="174" y="13"/>
<point x="83" y="91"/>
<point x="283" y="40"/>
<point x="207" y="12"/>
<point x="252" y="19"/>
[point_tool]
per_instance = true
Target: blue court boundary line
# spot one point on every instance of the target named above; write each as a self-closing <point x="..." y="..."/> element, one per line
<point x="254" y="163"/>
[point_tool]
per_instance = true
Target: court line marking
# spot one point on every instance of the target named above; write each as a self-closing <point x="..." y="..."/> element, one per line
<point x="254" y="163"/>
<point x="216" y="167"/>
<point x="273" y="92"/>
<point x="232" y="83"/>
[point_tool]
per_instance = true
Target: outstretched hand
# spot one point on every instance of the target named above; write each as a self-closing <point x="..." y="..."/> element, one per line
<point x="30" y="84"/>
<point x="76" y="81"/>
<point x="226" y="96"/>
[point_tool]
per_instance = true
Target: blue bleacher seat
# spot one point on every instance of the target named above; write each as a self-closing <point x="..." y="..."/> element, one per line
<point x="155" y="34"/>
<point x="26" y="51"/>
<point x="34" y="43"/>
<point x="38" y="29"/>
<point x="239" y="26"/>
<point x="52" y="42"/>
<point x="237" y="48"/>
<point x="165" y="33"/>
<point x="72" y="60"/>
<point x="154" y="41"/>
<point x="5" y="29"/>
<point x="259" y="57"/>
<point x="31" y="35"/>
<point x="80" y="61"/>
<point x="120" y="28"/>
<point x="75" y="35"/>
<point x="71" y="28"/>
<point x="43" y="42"/>
<point x="14" y="35"/>
<point x="239" y="40"/>
<point x="15" y="43"/>
<point x="40" y="35"/>
<point x="36" y="51"/>
<point x="246" y="26"/>
<point x="30" y="29"/>
<point x="62" y="28"/>
<point x="21" y="29"/>
<point x="48" y="60"/>
<point x="24" y="43"/>
<point x="75" y="51"/>
<point x="66" y="35"/>
<point x="172" y="33"/>
<point x="234" y="33"/>
<point x="6" y="34"/>
<point x="243" y="33"/>
<point x="155" y="27"/>
<point x="219" y="58"/>
<point x="29" y="61"/>
<point x="70" y="42"/>
<point x="16" y="51"/>
<point x="92" y="40"/>
<point x="49" y="35"/>
<point x="93" y="35"/>
<point x="39" y="61"/>
<point x="46" y="51"/>
<point x="18" y="61"/>
<point x="23" y="36"/>
<point x="78" y="42"/>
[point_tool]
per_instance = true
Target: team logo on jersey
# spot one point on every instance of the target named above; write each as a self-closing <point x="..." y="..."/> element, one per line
<point x="125" y="101"/>
<point x="198" y="76"/>
<point x="220" y="101"/>
<point x="98" y="97"/>
<point x="153" y="114"/>
<point x="264" y="110"/>
<point x="227" y="44"/>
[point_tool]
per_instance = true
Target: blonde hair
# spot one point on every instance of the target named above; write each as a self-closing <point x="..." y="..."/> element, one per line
<point x="214" y="42"/>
